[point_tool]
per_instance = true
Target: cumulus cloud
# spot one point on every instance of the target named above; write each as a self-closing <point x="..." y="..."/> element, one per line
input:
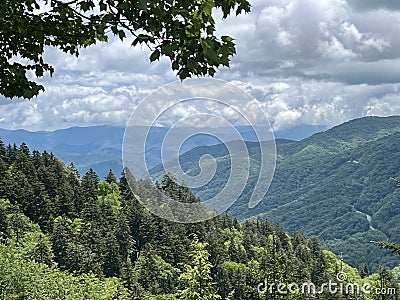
<point x="307" y="38"/>
<point x="304" y="61"/>
<point x="387" y="105"/>
<point x="70" y="105"/>
<point x="299" y="102"/>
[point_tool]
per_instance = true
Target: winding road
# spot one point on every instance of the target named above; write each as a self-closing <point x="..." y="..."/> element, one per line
<point x="369" y="218"/>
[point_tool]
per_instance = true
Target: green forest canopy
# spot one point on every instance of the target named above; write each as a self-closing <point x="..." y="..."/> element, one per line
<point x="67" y="237"/>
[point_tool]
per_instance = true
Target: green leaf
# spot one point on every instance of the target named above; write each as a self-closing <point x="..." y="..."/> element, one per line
<point x="226" y="38"/>
<point x="211" y="71"/>
<point x="121" y="35"/>
<point x="168" y="49"/>
<point x="103" y="6"/>
<point x="39" y="71"/>
<point x="72" y="25"/>
<point x="143" y="5"/>
<point x="155" y="55"/>
<point x="208" y="6"/>
<point x="183" y="73"/>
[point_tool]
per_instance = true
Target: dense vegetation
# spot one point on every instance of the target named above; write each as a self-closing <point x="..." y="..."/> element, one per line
<point x="66" y="237"/>
<point x="325" y="185"/>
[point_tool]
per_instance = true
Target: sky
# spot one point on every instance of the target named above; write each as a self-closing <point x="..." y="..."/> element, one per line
<point x="306" y="62"/>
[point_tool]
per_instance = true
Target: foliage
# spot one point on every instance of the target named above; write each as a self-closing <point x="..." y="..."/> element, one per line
<point x="388" y="245"/>
<point x="325" y="185"/>
<point x="32" y="280"/>
<point x="196" y="278"/>
<point x="153" y="273"/>
<point x="183" y="31"/>
<point x="92" y="239"/>
<point x="391" y="246"/>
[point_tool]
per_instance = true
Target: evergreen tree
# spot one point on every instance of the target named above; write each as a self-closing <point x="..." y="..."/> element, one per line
<point x="41" y="252"/>
<point x="364" y="271"/>
<point x="391" y="246"/>
<point x="196" y="278"/>
<point x="386" y="283"/>
<point x="91" y="207"/>
<point x="110" y="178"/>
<point x="3" y="166"/>
<point x="153" y="273"/>
<point x="318" y="264"/>
<point x="126" y="192"/>
<point x="300" y="266"/>
<point x="89" y="184"/>
<point x="61" y="237"/>
<point x="112" y="261"/>
<point x="4" y="224"/>
<point x="126" y="244"/>
<point x="74" y="193"/>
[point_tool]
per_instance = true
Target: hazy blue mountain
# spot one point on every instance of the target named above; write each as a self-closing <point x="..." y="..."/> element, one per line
<point x="334" y="184"/>
<point x="299" y="132"/>
<point x="99" y="147"/>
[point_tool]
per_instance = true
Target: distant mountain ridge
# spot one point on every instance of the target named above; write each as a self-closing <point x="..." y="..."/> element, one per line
<point x="99" y="147"/>
<point x="334" y="184"/>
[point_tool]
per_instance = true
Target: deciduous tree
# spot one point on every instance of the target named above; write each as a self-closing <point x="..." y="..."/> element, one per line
<point x="182" y="30"/>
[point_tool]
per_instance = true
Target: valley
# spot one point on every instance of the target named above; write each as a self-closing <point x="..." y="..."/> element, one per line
<point x="335" y="185"/>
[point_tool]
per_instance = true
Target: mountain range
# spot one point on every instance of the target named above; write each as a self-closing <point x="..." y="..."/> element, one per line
<point x="334" y="184"/>
<point x="99" y="147"/>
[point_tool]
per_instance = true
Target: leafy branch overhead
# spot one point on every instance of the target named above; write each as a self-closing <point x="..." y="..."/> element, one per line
<point x="390" y="246"/>
<point x="182" y="30"/>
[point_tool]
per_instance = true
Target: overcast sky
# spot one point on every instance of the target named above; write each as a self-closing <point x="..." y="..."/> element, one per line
<point x="306" y="61"/>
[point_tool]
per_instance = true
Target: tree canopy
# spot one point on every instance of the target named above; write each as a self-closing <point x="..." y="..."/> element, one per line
<point x="182" y="30"/>
<point x="67" y="237"/>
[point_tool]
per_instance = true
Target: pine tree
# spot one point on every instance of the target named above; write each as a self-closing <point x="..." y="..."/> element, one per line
<point x="364" y="271"/>
<point x="391" y="246"/>
<point x="126" y="243"/>
<point x="386" y="282"/>
<point x="62" y="235"/>
<point x="112" y="261"/>
<point x="91" y="208"/>
<point x="42" y="251"/>
<point x="4" y="234"/>
<point x="196" y="277"/>
<point x="89" y="184"/>
<point x="153" y="273"/>
<point x="3" y="166"/>
<point x="318" y="264"/>
<point x="74" y="193"/>
<point x="110" y="178"/>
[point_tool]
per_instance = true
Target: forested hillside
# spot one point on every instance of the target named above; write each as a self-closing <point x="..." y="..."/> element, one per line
<point x="335" y="185"/>
<point x="67" y="237"/>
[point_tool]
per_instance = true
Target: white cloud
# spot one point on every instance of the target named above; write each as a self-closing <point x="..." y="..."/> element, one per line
<point x="386" y="106"/>
<point x="305" y="61"/>
<point x="334" y="49"/>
